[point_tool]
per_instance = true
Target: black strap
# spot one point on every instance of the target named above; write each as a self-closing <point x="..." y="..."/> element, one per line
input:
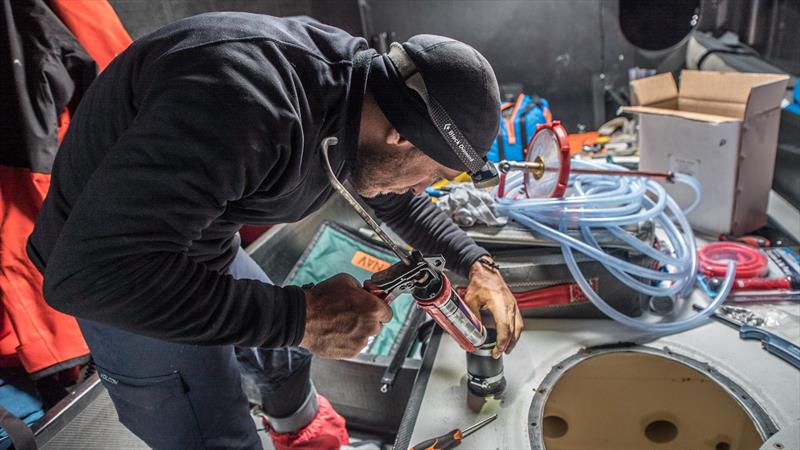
<point x="488" y="263"/>
<point x="20" y="434"/>
<point x="401" y="346"/>
<point x="538" y="100"/>
<point x="501" y="147"/>
<point x="505" y="113"/>
<point x="523" y="124"/>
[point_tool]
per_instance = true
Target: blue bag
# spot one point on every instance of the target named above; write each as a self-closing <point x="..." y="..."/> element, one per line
<point x="794" y="107"/>
<point x="19" y="397"/>
<point x="517" y="125"/>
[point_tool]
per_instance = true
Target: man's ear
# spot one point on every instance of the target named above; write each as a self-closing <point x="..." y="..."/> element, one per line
<point x="394" y="138"/>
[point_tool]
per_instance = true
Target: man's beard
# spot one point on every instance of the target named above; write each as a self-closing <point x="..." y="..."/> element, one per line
<point x="376" y="168"/>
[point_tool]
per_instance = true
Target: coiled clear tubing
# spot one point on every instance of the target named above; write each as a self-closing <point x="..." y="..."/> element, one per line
<point x="598" y="202"/>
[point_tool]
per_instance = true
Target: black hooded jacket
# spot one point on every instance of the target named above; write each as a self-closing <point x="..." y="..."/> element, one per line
<point x="44" y="69"/>
<point x="207" y="124"/>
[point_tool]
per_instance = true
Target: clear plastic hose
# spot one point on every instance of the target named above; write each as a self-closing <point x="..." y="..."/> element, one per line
<point x="610" y="203"/>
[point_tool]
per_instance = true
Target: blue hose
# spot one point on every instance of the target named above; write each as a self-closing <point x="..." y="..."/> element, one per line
<point x="610" y="203"/>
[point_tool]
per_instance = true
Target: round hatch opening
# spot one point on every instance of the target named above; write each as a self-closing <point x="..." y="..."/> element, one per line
<point x="627" y="400"/>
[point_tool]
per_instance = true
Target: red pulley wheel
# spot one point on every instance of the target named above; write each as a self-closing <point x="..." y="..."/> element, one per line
<point x="549" y="146"/>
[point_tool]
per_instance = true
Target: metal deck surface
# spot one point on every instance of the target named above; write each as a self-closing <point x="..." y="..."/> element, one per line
<point x="771" y="382"/>
<point x="87" y="420"/>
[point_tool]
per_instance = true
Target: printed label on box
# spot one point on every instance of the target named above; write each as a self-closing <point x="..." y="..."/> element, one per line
<point x="368" y="262"/>
<point x="684" y="165"/>
<point x="576" y="294"/>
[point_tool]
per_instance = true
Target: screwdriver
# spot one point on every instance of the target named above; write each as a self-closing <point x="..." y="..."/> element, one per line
<point x="453" y="438"/>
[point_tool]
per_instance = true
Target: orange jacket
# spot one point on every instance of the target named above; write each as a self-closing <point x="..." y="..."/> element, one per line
<point x="32" y="334"/>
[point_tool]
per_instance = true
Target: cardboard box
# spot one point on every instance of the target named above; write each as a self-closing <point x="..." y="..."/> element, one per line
<point x="721" y="128"/>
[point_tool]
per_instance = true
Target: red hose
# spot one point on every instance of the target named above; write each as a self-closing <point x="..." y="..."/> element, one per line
<point x="750" y="262"/>
<point x="555" y="295"/>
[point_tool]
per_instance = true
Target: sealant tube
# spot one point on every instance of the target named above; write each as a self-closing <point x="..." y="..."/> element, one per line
<point x="447" y="309"/>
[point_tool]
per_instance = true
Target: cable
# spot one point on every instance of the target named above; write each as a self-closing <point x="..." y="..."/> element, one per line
<point x="714" y="257"/>
<point x="611" y="203"/>
<point x="743" y="51"/>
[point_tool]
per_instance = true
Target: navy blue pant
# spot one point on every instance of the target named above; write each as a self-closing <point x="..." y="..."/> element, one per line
<point x="176" y="396"/>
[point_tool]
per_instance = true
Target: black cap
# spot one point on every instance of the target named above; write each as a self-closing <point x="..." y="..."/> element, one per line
<point x="456" y="77"/>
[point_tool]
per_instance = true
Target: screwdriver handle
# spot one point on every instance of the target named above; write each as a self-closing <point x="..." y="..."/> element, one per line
<point x="443" y="442"/>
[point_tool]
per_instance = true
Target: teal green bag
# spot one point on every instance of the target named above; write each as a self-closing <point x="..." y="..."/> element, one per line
<point x="337" y="250"/>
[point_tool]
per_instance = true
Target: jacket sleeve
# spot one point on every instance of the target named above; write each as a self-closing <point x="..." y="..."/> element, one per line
<point x="200" y="139"/>
<point x="417" y="220"/>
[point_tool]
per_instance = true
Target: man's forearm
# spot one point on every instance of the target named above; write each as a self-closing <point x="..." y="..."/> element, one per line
<point x="427" y="228"/>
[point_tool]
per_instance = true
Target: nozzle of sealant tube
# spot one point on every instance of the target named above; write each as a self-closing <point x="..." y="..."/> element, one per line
<point x="484" y="373"/>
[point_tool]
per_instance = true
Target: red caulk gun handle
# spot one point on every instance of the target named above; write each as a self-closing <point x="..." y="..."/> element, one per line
<point x="370" y="287"/>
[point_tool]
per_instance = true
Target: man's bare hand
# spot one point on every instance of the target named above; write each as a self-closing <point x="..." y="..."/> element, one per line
<point x="341" y="316"/>
<point x="488" y="290"/>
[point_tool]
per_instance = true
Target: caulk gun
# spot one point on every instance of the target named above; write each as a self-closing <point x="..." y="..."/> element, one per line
<point x="421" y="276"/>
